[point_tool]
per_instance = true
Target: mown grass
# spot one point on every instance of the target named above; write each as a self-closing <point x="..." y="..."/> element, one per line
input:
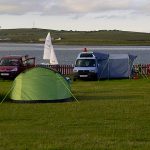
<point x="110" y="115"/>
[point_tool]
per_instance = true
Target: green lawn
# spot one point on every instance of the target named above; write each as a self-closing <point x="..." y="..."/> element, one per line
<point x="110" y="115"/>
<point x="101" y="37"/>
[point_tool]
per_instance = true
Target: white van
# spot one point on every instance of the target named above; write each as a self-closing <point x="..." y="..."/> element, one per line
<point x="86" y="66"/>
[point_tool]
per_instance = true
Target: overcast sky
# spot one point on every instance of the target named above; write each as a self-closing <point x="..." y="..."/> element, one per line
<point x="83" y="15"/>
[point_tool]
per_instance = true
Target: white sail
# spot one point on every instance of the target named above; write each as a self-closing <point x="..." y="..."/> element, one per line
<point x="49" y="52"/>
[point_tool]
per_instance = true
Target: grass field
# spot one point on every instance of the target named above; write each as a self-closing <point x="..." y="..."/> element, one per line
<point x="101" y="37"/>
<point x="110" y="115"/>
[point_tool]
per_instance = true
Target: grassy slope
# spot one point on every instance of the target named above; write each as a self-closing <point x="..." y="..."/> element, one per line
<point x="102" y="37"/>
<point x="110" y="115"/>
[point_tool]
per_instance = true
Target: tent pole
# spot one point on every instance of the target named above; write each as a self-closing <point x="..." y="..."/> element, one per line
<point x="7" y="93"/>
<point x="68" y="89"/>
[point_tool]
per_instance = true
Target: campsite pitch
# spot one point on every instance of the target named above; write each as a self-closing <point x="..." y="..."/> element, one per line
<point x="111" y="115"/>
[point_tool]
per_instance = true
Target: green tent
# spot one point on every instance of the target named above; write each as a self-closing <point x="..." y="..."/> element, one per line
<point x="40" y="85"/>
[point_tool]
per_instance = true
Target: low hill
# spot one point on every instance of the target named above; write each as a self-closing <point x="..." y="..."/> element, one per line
<point x="101" y="37"/>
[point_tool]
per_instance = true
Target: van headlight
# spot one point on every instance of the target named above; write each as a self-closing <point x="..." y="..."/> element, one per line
<point x="15" y="69"/>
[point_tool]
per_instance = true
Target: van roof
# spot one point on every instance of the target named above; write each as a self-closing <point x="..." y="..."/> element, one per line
<point x="92" y="55"/>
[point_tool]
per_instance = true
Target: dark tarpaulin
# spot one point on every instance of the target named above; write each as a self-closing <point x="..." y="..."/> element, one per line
<point x="114" y="65"/>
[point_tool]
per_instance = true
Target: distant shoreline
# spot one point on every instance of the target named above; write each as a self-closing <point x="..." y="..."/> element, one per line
<point x="90" y="38"/>
<point x="73" y="45"/>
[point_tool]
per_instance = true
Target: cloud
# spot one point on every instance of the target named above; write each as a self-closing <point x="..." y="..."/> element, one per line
<point x="19" y="7"/>
<point x="143" y="7"/>
<point x="77" y="7"/>
<point x="72" y="7"/>
<point x="85" y="6"/>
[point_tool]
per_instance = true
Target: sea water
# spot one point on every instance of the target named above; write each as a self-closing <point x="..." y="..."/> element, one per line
<point x="66" y="54"/>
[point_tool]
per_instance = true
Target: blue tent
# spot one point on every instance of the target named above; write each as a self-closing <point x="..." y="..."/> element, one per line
<point x="114" y="65"/>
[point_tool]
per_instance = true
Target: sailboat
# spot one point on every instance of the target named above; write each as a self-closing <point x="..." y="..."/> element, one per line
<point x="49" y="52"/>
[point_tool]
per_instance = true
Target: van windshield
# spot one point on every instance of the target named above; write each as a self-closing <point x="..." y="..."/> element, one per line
<point x="85" y="63"/>
<point x="9" y="62"/>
